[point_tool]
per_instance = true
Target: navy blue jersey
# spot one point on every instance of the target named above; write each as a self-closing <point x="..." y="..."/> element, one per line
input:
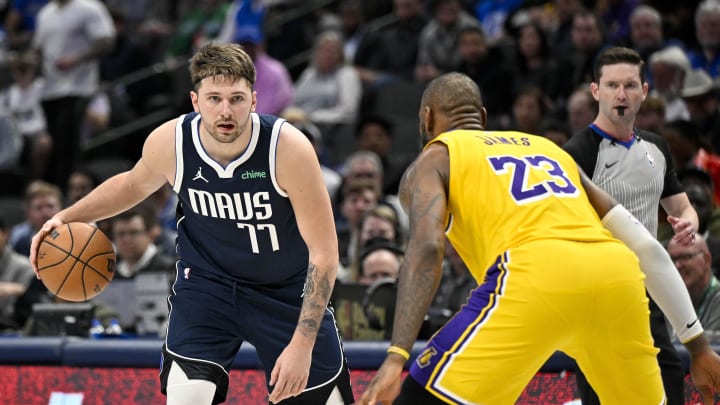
<point x="235" y="220"/>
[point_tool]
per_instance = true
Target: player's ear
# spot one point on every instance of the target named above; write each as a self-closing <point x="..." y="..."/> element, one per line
<point x="483" y="117"/>
<point x="428" y="119"/>
<point x="194" y="100"/>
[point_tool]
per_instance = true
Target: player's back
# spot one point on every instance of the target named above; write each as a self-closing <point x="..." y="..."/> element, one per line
<point x="511" y="188"/>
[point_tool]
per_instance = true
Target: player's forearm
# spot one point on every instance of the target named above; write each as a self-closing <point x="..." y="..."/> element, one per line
<point x="316" y="295"/>
<point x="417" y="283"/>
<point x="662" y="280"/>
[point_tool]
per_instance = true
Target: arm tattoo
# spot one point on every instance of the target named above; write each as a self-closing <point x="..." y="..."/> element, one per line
<point x="316" y="294"/>
<point x="309" y="286"/>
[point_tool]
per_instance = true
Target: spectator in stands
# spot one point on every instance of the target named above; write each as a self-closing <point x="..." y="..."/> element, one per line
<point x="493" y="16"/>
<point x="201" y="23"/>
<point x="378" y="221"/>
<point x="683" y="140"/>
<point x="530" y="108"/>
<point x="581" y="109"/>
<point x="71" y="36"/>
<point x="273" y="84"/>
<point x="560" y="37"/>
<point x="375" y="134"/>
<point x="352" y="26"/>
<point x="11" y="143"/>
<point x="240" y="15"/>
<point x="456" y="283"/>
<point x="646" y="34"/>
<point x="15" y="276"/>
<point x="615" y="16"/>
<point x="129" y="55"/>
<point x="20" y="22"/>
<point x="329" y="90"/>
<point x="22" y="100"/>
<point x="298" y="119"/>
<point x="133" y="233"/>
<point x="556" y="131"/>
<point x="365" y="164"/>
<point x="697" y="177"/>
<point x="694" y="265"/>
<point x="669" y="66"/>
<point x="80" y="182"/>
<point x="701" y="99"/>
<point x="357" y="195"/>
<point x="379" y="259"/>
<point x="651" y="115"/>
<point x="587" y="40"/>
<point x="437" y="49"/>
<point x="488" y="67"/>
<point x="41" y="201"/>
<point x="702" y="200"/>
<point x="390" y="54"/>
<point x="534" y="65"/>
<point x="707" y="32"/>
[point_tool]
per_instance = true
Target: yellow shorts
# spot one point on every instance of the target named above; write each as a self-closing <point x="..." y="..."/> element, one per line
<point x="585" y="299"/>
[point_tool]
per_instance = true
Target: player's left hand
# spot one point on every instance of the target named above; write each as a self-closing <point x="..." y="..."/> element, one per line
<point x="290" y="374"/>
<point x="684" y="231"/>
<point x="385" y="385"/>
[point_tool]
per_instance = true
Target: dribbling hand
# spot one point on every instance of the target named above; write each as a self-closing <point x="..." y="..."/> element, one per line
<point x="47" y="227"/>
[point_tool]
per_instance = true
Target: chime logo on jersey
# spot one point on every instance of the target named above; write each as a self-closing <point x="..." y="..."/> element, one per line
<point x="236" y="206"/>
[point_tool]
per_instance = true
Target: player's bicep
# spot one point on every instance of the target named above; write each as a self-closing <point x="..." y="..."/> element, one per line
<point x="157" y="163"/>
<point x="299" y="175"/>
<point x="424" y="193"/>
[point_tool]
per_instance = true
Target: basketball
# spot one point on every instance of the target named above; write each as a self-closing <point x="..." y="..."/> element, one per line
<point x="76" y="261"/>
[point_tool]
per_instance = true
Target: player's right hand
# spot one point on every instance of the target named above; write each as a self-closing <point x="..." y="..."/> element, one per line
<point x="47" y="227"/>
<point x="385" y="386"/>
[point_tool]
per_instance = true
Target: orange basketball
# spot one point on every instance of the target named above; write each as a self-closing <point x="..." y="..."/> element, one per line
<point x="76" y="261"/>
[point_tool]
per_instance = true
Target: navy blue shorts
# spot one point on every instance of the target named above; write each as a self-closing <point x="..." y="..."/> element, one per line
<point x="210" y="318"/>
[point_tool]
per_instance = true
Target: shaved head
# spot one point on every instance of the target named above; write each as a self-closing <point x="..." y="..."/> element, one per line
<point x="450" y="92"/>
<point x="451" y="101"/>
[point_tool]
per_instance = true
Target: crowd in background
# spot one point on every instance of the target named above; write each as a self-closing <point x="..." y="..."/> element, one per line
<point x="81" y="82"/>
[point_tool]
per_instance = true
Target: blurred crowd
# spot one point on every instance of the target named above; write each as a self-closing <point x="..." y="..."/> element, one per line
<point x="82" y="81"/>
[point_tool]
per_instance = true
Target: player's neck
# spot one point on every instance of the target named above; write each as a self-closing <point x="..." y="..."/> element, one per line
<point x="221" y="152"/>
<point x="620" y="131"/>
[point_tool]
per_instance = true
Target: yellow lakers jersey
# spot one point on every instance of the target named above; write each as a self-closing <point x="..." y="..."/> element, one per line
<point x="509" y="188"/>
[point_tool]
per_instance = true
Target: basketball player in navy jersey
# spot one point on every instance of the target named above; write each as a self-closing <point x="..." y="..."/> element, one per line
<point x="256" y="241"/>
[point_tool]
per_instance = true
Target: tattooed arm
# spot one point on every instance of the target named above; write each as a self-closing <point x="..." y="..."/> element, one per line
<point x="423" y="193"/>
<point x="298" y="173"/>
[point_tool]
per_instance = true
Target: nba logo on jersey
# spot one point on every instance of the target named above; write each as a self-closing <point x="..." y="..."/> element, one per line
<point x="650" y="159"/>
<point x="187" y="273"/>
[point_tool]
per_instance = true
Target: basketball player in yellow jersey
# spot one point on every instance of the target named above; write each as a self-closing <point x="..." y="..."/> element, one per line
<point x="551" y="276"/>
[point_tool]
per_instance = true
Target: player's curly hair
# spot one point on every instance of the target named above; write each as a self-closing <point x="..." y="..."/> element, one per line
<point x="229" y="61"/>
